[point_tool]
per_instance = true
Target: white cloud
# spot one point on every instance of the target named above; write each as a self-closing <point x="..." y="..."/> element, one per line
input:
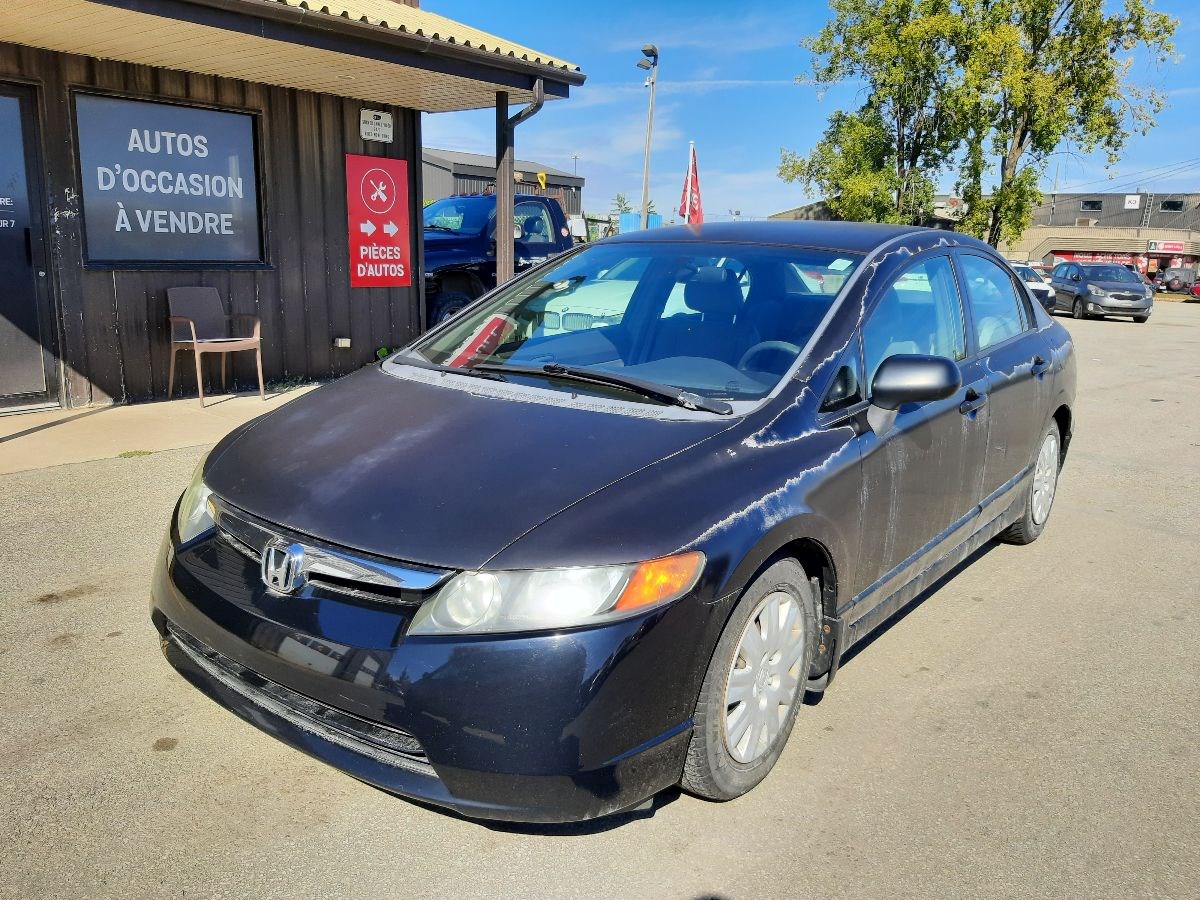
<point x="604" y="94"/>
<point x="729" y="36"/>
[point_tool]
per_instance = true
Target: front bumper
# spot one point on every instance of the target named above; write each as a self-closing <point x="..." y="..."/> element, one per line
<point x="1108" y="306"/>
<point x="537" y="728"/>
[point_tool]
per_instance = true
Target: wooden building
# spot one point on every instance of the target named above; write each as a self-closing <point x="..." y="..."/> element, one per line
<point x="146" y="144"/>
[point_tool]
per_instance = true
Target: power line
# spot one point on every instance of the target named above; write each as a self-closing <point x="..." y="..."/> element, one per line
<point x="1132" y="176"/>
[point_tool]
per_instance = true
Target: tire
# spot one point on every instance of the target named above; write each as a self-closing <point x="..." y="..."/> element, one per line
<point x="1141" y="320"/>
<point x="1175" y="284"/>
<point x="1077" y="311"/>
<point x="1037" y="507"/>
<point x="714" y="769"/>
<point x="447" y="304"/>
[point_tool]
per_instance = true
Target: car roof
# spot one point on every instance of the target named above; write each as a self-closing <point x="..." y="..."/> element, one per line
<point x="852" y="237"/>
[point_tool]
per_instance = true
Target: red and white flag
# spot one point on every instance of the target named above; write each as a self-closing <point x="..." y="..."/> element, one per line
<point x="689" y="205"/>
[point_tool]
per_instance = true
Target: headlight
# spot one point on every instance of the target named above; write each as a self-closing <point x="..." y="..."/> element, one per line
<point x="195" y="511"/>
<point x="540" y="599"/>
<point x="1096" y="291"/>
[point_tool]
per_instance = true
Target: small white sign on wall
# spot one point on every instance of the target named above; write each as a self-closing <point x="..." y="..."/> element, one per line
<point x="375" y="125"/>
<point x="1133" y="201"/>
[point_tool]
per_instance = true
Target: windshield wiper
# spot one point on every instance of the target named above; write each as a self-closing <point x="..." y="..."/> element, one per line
<point x="473" y="371"/>
<point x="429" y="227"/>
<point x="664" y="392"/>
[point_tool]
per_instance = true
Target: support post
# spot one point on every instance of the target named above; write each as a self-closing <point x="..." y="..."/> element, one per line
<point x="505" y="246"/>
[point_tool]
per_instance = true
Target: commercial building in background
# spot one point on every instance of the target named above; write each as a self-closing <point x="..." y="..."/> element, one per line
<point x="449" y="172"/>
<point x="267" y="148"/>
<point x="1147" y="230"/>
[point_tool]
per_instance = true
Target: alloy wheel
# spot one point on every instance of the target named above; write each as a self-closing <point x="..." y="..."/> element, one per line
<point x="1077" y="309"/>
<point x="764" y="677"/>
<point x="1045" y="479"/>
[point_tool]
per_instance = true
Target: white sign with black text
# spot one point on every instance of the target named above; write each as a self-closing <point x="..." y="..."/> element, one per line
<point x="375" y="125"/>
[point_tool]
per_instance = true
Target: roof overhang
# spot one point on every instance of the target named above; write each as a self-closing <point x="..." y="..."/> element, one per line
<point x="413" y="58"/>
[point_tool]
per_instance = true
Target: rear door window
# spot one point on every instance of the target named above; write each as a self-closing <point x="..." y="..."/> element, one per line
<point x="996" y="310"/>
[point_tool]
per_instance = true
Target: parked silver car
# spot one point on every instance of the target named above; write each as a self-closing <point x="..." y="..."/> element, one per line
<point x="1097" y="291"/>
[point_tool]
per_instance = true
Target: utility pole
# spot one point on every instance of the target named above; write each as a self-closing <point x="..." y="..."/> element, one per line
<point x="649" y="62"/>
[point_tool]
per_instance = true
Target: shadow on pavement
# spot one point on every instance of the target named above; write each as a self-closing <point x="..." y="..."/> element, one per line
<point x="812" y="699"/>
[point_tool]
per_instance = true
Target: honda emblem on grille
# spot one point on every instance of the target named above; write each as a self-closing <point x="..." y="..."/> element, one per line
<point x="283" y="567"/>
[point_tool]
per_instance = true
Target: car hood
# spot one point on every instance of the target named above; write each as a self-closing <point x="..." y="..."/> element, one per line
<point x="431" y="474"/>
<point x="1119" y="287"/>
<point x="448" y="242"/>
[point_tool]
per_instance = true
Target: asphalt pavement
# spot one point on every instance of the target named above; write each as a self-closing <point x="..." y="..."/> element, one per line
<point x="1028" y="729"/>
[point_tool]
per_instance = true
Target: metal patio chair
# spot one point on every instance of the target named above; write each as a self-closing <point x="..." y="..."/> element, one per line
<point x="198" y="323"/>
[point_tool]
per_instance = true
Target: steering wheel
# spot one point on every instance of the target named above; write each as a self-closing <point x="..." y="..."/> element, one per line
<point x="765" y="346"/>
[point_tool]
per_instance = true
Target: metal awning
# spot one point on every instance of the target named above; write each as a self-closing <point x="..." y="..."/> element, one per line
<point x="378" y="50"/>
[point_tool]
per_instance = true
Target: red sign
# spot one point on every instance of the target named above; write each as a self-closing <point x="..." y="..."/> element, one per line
<point x="1166" y="246"/>
<point x="380" y="240"/>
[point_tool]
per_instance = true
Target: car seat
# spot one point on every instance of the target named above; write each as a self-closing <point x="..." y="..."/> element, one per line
<point x="533" y="229"/>
<point x="719" y="332"/>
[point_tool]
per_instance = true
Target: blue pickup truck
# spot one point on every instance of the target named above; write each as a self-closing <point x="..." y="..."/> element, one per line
<point x="460" y="246"/>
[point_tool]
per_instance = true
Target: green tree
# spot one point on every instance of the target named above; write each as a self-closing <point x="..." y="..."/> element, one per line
<point x="1038" y="73"/>
<point x="979" y="88"/>
<point x="621" y="204"/>
<point x="881" y="162"/>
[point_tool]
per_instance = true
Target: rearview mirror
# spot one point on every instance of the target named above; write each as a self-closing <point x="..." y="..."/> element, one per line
<point x="909" y="378"/>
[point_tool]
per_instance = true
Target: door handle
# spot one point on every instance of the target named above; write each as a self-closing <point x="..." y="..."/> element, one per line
<point x="1039" y="365"/>
<point x="972" y="401"/>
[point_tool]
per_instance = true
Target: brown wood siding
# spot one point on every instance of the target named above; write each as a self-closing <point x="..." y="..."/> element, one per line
<point x="113" y="336"/>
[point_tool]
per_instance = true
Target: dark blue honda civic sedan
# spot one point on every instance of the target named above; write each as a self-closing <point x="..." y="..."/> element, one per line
<point x="599" y="533"/>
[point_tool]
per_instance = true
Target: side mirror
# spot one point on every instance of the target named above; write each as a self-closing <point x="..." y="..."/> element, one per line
<point x="1075" y="276"/>
<point x="906" y="378"/>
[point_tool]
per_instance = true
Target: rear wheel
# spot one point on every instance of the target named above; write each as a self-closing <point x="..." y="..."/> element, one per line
<point x="1042" y="489"/>
<point x="754" y="685"/>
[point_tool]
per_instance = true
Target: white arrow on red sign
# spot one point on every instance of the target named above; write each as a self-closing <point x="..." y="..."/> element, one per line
<point x="390" y="229"/>
<point x="367" y="228"/>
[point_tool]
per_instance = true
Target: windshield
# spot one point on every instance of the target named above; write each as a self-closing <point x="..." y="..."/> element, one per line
<point x="1027" y="274"/>
<point x="1111" y="273"/>
<point x="461" y="214"/>
<point x="721" y="321"/>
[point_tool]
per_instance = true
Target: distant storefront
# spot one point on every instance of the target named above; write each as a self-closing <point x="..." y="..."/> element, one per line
<point x="146" y="144"/>
<point x="1148" y="231"/>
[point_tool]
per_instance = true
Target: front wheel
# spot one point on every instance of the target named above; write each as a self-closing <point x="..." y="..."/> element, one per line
<point x="1042" y="489"/>
<point x="448" y="304"/>
<point x="1141" y="320"/>
<point x="1077" y="310"/>
<point x="754" y="685"/>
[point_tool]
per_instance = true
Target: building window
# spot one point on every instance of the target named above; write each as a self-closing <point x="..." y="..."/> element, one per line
<point x="1091" y="205"/>
<point x="167" y="184"/>
<point x="1171" y="206"/>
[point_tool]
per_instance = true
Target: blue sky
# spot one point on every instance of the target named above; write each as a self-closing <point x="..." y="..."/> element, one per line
<point x="727" y="81"/>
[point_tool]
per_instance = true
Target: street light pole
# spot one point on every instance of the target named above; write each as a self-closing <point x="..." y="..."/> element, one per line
<point x="649" y="61"/>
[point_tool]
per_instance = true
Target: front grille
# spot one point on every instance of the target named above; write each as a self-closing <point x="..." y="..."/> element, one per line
<point x="384" y="743"/>
<point x="334" y="568"/>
